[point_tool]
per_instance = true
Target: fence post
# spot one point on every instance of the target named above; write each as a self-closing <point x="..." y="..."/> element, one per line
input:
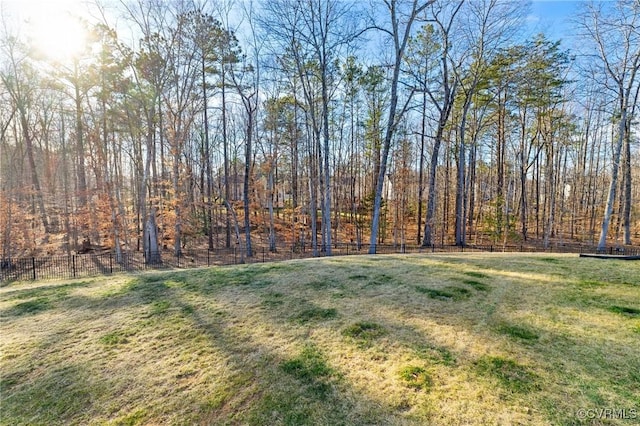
<point x="111" y="263"/>
<point x="33" y="264"/>
<point x="73" y="265"/>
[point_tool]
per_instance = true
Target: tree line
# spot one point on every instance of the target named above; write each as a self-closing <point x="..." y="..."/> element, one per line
<point x="317" y="122"/>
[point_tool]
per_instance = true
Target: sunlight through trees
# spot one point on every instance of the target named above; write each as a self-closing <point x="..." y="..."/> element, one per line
<point x="162" y="126"/>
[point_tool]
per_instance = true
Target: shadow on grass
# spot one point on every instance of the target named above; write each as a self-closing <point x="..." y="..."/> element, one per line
<point x="446" y="293"/>
<point x="300" y="390"/>
<point x="263" y="386"/>
<point x="53" y="397"/>
<point x="311" y="369"/>
<point x="30" y="307"/>
<point x="523" y="333"/>
<point x="50" y="290"/>
<point x="625" y="310"/>
<point x="37" y="299"/>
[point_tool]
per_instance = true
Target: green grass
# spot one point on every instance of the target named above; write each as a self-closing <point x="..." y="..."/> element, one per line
<point x="517" y="331"/>
<point x="508" y="374"/>
<point x="29" y="307"/>
<point x="364" y="331"/>
<point x="446" y="293"/>
<point x="435" y="354"/>
<point x="415" y="377"/>
<point x="476" y="285"/>
<point x="114" y="338"/>
<point x="475" y="274"/>
<point x="625" y="310"/>
<point x="316" y="314"/>
<point x="438" y="339"/>
<point x="312" y="370"/>
<point x="273" y="300"/>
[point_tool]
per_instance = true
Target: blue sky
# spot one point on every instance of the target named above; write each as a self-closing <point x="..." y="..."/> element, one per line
<point x="549" y="16"/>
<point x="553" y="18"/>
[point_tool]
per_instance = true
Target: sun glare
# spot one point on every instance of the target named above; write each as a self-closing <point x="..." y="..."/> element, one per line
<point x="55" y="29"/>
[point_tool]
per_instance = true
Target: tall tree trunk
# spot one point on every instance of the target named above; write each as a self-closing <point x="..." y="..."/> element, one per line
<point x="110" y="181"/>
<point x="177" y="239"/>
<point x="225" y="145"/>
<point x="80" y="154"/>
<point x="593" y="180"/>
<point x="294" y="162"/>
<point x="248" y="157"/>
<point x="207" y="160"/>
<point x="524" y="163"/>
<point x="461" y="202"/>
<point x="472" y="185"/>
<point x="35" y="182"/>
<point x="423" y="131"/>
<point x="611" y="194"/>
<point x="152" y="250"/>
<point x="626" y="211"/>
<point x="65" y="184"/>
<point x="500" y="148"/>
<point x="429" y="221"/>
<point x="270" y="191"/>
<point x="326" y="214"/>
<point x="313" y="193"/>
<point x="444" y="107"/>
<point x="321" y="187"/>
<point x="444" y="228"/>
<point x="551" y="192"/>
<point x="399" y="43"/>
<point x="150" y="241"/>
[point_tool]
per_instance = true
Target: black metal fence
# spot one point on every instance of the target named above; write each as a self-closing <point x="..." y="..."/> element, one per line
<point x="83" y="265"/>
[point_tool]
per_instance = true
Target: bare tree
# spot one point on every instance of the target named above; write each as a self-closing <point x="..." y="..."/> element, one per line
<point x="150" y="74"/>
<point x="18" y="80"/>
<point x="442" y="97"/>
<point x="615" y="34"/>
<point x="488" y="26"/>
<point x="312" y="33"/>
<point x="401" y="17"/>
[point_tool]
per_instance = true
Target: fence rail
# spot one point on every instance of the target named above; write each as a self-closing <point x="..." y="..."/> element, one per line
<point x="84" y="265"/>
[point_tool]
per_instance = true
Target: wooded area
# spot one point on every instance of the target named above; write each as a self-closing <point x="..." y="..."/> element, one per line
<point x="318" y="122"/>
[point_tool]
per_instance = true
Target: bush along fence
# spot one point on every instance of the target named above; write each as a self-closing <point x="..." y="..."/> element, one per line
<point x="83" y="265"/>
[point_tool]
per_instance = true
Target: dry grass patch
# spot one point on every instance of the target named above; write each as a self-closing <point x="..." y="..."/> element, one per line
<point x="415" y="339"/>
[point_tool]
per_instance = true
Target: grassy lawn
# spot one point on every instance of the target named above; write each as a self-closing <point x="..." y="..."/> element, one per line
<point x="470" y="339"/>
